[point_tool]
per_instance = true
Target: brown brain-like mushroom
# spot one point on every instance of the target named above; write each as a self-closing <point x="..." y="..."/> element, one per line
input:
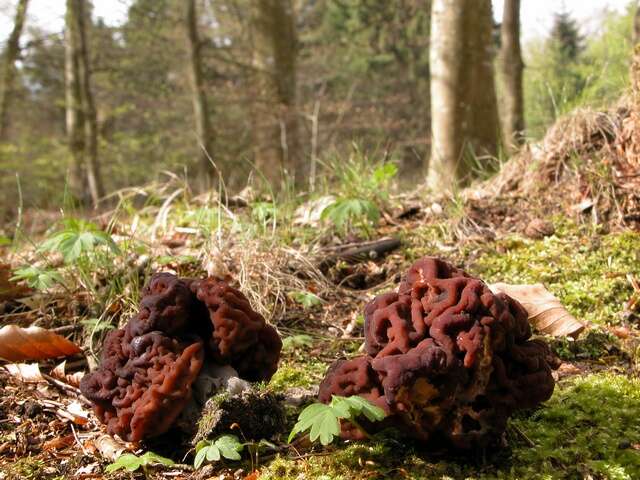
<point x="446" y="358"/>
<point x="148" y="367"/>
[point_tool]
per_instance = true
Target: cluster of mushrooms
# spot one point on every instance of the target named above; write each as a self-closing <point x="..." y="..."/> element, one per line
<point x="446" y="359"/>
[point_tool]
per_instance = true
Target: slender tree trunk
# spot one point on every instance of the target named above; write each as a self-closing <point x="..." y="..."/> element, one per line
<point x="198" y="95"/>
<point x="9" y="67"/>
<point x="275" y="49"/>
<point x="94" y="179"/>
<point x="74" y="111"/>
<point x="464" y="113"/>
<point x="636" y="26"/>
<point x="511" y="70"/>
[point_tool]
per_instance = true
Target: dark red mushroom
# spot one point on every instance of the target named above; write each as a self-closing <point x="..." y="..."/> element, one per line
<point x="446" y="358"/>
<point x="148" y="367"/>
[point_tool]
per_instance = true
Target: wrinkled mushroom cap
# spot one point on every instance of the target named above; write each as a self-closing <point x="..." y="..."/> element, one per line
<point x="147" y="368"/>
<point x="447" y="357"/>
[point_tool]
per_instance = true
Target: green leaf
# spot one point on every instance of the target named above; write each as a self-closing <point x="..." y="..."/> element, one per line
<point x="78" y="238"/>
<point x="126" y="461"/>
<point x="361" y="406"/>
<point x="37" y="278"/>
<point x="351" y="210"/>
<point x="229" y="446"/>
<point x="151" y="458"/>
<point x="213" y="453"/>
<point x="323" y="421"/>
<point x="306" y="299"/>
<point x="200" y="457"/>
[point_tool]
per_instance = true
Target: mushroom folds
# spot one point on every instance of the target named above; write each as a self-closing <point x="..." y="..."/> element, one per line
<point x="147" y="368"/>
<point x="446" y="358"/>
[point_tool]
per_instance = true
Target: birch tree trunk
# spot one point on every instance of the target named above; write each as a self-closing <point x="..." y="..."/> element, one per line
<point x="198" y="95"/>
<point x="75" y="121"/>
<point x="275" y="48"/>
<point x="511" y="70"/>
<point x="9" y="67"/>
<point x="94" y="179"/>
<point x="464" y="111"/>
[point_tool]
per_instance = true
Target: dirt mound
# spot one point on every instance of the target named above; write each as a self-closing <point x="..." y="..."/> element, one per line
<point x="588" y="164"/>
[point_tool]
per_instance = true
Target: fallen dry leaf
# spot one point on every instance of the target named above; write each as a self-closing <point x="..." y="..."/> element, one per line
<point x="109" y="447"/>
<point x="9" y="289"/>
<point x="58" y="443"/>
<point x="60" y="373"/>
<point x="28" y="373"/>
<point x="546" y="313"/>
<point x="33" y="343"/>
<point x="74" y="412"/>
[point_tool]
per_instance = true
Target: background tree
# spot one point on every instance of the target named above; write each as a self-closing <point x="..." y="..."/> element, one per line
<point x="275" y="50"/>
<point x="94" y="179"/>
<point x="75" y="121"/>
<point x="511" y="75"/>
<point x="198" y="93"/>
<point x="636" y="26"/>
<point x="464" y="113"/>
<point x="9" y="65"/>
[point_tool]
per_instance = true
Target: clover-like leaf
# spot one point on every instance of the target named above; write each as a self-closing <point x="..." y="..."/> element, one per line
<point x="131" y="462"/>
<point x="126" y="461"/>
<point x="229" y="446"/>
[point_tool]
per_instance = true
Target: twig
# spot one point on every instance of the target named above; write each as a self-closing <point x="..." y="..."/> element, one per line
<point x="65" y="387"/>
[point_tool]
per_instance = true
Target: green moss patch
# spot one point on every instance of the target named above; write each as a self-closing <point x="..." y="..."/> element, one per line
<point x="586" y="272"/>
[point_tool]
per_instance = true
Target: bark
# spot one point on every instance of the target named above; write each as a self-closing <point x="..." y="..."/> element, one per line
<point x="75" y="121"/>
<point x="464" y="113"/>
<point x="9" y="67"/>
<point x="636" y="26"/>
<point x="511" y="70"/>
<point x="198" y="95"/>
<point x="94" y="179"/>
<point x="275" y="117"/>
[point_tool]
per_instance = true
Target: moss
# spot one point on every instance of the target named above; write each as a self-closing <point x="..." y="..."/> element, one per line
<point x="297" y="374"/>
<point x="26" y="469"/>
<point x="587" y="272"/>
<point x="587" y="430"/>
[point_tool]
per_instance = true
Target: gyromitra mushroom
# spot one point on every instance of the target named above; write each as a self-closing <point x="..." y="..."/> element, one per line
<point x="446" y="358"/>
<point x="148" y="367"/>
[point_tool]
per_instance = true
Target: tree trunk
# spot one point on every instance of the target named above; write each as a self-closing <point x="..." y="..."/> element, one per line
<point x="275" y="48"/>
<point x="94" y="179"/>
<point x="9" y="67"/>
<point x="511" y="70"/>
<point x="636" y="26"/>
<point x="198" y="95"/>
<point x="464" y="113"/>
<point x="74" y="110"/>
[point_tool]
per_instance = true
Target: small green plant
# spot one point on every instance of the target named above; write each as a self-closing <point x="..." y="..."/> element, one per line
<point x="36" y="277"/>
<point x="77" y="238"/>
<point x="263" y="212"/>
<point x="226" y="446"/>
<point x="323" y="420"/>
<point x="296" y="341"/>
<point x="131" y="462"/>
<point x="306" y="299"/>
<point x="345" y="213"/>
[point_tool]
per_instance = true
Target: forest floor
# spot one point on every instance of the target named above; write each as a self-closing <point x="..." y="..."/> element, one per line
<point x="575" y="230"/>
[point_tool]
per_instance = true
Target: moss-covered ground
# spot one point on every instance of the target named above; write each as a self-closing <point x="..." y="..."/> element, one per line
<point x="589" y="429"/>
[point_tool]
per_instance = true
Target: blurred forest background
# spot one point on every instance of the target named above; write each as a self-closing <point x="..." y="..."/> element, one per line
<point x="201" y="88"/>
